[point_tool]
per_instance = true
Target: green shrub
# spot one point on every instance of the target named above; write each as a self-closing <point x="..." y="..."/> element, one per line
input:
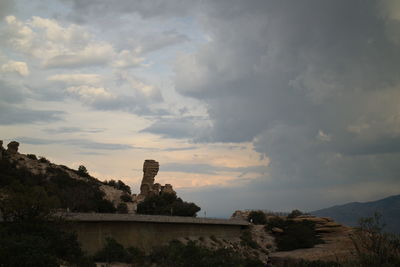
<point x="180" y="255"/>
<point x="43" y="160"/>
<point x="247" y="240"/>
<point x="32" y="156"/>
<point x="295" y="234"/>
<point x="115" y="252"/>
<point x="126" y="198"/>
<point x="373" y="246"/>
<point x="118" y="185"/>
<point x="294" y="214"/>
<point x="122" y="208"/>
<point x="82" y="171"/>
<point x="257" y="217"/>
<point x="167" y="204"/>
<point x="30" y="235"/>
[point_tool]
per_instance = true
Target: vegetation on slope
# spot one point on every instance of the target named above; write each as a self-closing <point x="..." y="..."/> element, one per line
<point x="76" y="195"/>
<point x="295" y="235"/>
<point x="30" y="235"/>
<point x="175" y="254"/>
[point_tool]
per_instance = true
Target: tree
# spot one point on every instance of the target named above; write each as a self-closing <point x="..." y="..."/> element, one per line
<point x="373" y="246"/>
<point x="167" y="204"/>
<point x="257" y="217"/>
<point x="294" y="214"/>
<point x="31" y="234"/>
<point x="122" y="208"/>
<point x="82" y="171"/>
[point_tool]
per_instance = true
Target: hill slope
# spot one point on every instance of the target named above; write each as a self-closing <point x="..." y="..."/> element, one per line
<point x="75" y="190"/>
<point x="350" y="213"/>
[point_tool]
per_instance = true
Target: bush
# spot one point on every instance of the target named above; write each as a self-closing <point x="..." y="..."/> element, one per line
<point x="43" y="160"/>
<point x="115" y="252"/>
<point x="373" y="246"/>
<point x="126" y="198"/>
<point x="119" y="185"/>
<point x="180" y="255"/>
<point x="82" y="171"/>
<point x="294" y="214"/>
<point x="257" y="217"/>
<point x="247" y="240"/>
<point x="32" y="156"/>
<point x="122" y="208"/>
<point x="167" y="204"/>
<point x="295" y="234"/>
<point x="30" y="235"/>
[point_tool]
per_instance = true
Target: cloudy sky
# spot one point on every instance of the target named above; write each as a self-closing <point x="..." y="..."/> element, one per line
<point x="246" y="104"/>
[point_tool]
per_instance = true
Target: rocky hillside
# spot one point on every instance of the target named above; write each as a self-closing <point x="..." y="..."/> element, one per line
<point x="349" y="214"/>
<point x="74" y="190"/>
<point x="316" y="238"/>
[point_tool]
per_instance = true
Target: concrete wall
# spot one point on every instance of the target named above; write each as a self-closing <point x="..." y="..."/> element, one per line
<point x="145" y="235"/>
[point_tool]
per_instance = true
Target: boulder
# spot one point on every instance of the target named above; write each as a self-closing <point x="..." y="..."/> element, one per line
<point x="167" y="188"/>
<point x="12" y="147"/>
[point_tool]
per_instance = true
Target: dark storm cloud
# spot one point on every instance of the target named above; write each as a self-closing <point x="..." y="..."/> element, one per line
<point x="6" y="7"/>
<point x="209" y="169"/>
<point x="62" y="130"/>
<point x="82" y="143"/>
<point x="314" y="85"/>
<point x="178" y="127"/>
<point x="10" y="115"/>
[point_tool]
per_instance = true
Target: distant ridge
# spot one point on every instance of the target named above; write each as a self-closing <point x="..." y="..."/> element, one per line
<point x="350" y="213"/>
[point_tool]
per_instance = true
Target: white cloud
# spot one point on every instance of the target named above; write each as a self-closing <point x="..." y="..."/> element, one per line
<point x="92" y="54"/>
<point x="89" y="93"/>
<point x="16" y="66"/>
<point x="76" y="79"/>
<point x="128" y="59"/>
<point x="56" y="45"/>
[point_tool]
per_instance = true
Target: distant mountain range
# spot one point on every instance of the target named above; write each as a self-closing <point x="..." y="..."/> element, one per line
<point x="349" y="214"/>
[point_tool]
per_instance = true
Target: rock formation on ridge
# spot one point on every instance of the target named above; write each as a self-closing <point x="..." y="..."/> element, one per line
<point x="12" y="147"/>
<point x="148" y="187"/>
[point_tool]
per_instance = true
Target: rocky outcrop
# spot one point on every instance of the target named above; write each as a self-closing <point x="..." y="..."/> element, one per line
<point x="337" y="244"/>
<point x="150" y="170"/>
<point x="12" y="147"/>
<point x="148" y="187"/>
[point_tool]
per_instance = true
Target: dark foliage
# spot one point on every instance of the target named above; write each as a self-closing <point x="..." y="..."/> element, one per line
<point x="167" y="204"/>
<point x="247" y="240"/>
<point x="119" y="185"/>
<point x="76" y="195"/>
<point x="305" y="263"/>
<point x="33" y="237"/>
<point x="373" y="246"/>
<point x="295" y="234"/>
<point x="115" y="252"/>
<point x="294" y="214"/>
<point x="32" y="156"/>
<point x="180" y="255"/>
<point x="82" y="171"/>
<point x="43" y="160"/>
<point x="122" y="208"/>
<point x="126" y="198"/>
<point x="257" y="217"/>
